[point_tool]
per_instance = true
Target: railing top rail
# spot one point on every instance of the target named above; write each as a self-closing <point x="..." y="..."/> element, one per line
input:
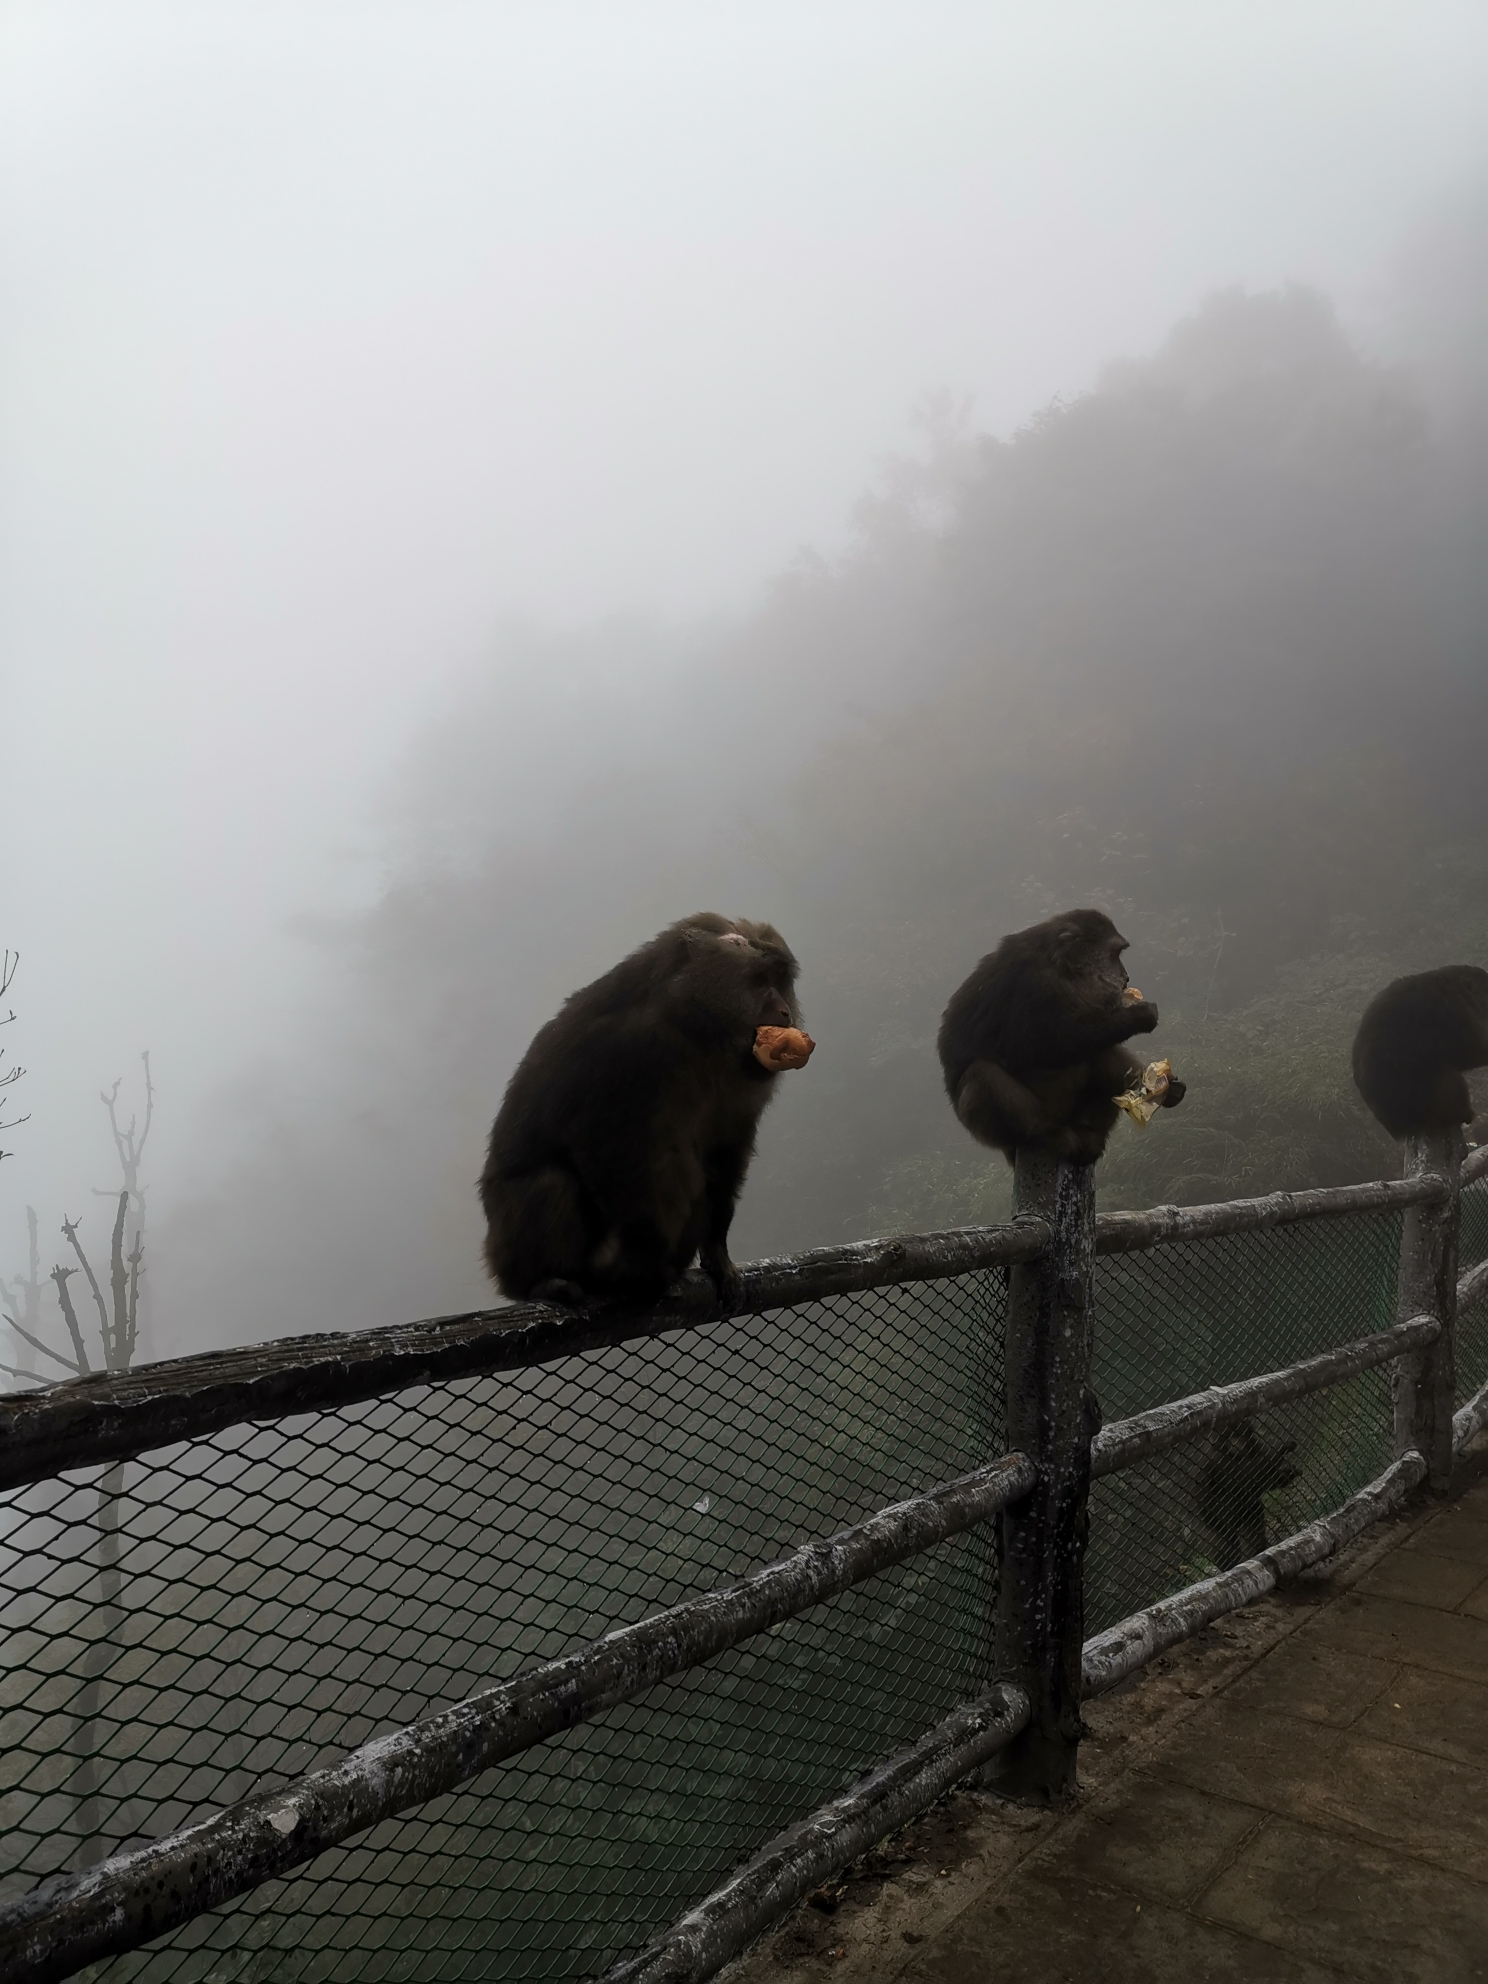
<point x="1129" y="1232"/>
<point x="1475" y="1165"/>
<point x="85" y="1422"/>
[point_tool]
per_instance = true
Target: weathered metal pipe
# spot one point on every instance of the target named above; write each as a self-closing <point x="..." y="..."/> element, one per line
<point x="757" y="1894"/>
<point x="1470" y="1420"/>
<point x="1126" y="1441"/>
<point x="1131" y="1232"/>
<point x="1473" y="1286"/>
<point x="140" y="1893"/>
<point x="86" y="1421"/>
<point x="1122" y="1649"/>
<point x="1475" y="1166"/>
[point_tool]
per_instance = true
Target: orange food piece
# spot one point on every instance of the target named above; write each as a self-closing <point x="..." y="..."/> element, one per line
<point x="778" y="1047"/>
<point x="1132" y="995"/>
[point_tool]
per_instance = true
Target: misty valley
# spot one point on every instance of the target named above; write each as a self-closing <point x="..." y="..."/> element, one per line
<point x="1202" y="650"/>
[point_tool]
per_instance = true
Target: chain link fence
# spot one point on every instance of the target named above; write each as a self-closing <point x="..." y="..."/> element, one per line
<point x="1472" y="1323"/>
<point x="224" y="1615"/>
<point x="1178" y="1318"/>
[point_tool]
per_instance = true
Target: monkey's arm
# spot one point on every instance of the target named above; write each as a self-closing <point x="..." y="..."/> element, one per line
<point x="1108" y="1026"/>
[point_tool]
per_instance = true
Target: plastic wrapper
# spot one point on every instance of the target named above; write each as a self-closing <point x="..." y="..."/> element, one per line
<point x="1142" y="1103"/>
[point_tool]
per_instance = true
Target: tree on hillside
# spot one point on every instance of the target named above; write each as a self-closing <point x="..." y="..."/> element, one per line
<point x="1192" y="647"/>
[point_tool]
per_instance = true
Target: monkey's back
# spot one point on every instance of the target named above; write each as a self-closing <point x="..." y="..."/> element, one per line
<point x="1012" y="1008"/>
<point x="1414" y="1042"/>
<point x="637" y="1048"/>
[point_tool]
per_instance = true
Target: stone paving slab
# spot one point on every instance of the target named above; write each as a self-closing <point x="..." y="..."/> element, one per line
<point x="1329" y="1899"/>
<point x="1299" y="1794"/>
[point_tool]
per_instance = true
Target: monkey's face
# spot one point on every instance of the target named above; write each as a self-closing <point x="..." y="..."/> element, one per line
<point x="736" y="978"/>
<point x="775" y="1008"/>
<point x="1088" y="948"/>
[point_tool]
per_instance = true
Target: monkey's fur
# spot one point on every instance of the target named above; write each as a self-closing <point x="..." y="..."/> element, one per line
<point x="1239" y="1470"/>
<point x="1415" y="1041"/>
<point x="1031" y="1043"/>
<point x="623" y="1139"/>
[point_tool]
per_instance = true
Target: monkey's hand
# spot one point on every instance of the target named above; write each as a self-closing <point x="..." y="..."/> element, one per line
<point x="1142" y="1101"/>
<point x="780" y="1047"/>
<point x="1140" y="1014"/>
<point x="1174" y="1093"/>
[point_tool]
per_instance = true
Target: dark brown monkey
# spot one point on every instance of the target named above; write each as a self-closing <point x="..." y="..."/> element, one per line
<point x="625" y="1133"/>
<point x="1031" y="1043"/>
<point x="1415" y="1041"/>
<point x="1239" y="1470"/>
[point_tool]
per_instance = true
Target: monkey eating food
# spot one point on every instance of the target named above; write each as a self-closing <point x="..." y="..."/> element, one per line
<point x="1031" y="1043"/>
<point x="622" y="1142"/>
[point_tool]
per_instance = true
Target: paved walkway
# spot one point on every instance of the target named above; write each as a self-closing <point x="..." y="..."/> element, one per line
<point x="1301" y="1798"/>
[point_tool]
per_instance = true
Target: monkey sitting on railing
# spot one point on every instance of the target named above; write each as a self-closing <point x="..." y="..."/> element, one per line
<point x="1031" y="1045"/>
<point x="625" y="1133"/>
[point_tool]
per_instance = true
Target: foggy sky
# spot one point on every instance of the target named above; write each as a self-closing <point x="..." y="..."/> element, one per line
<point x="335" y="336"/>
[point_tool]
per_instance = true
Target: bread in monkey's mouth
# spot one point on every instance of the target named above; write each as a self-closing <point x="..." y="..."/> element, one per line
<point x="781" y="1047"/>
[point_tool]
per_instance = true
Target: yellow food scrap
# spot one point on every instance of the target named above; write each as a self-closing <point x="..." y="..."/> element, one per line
<point x="1143" y="1103"/>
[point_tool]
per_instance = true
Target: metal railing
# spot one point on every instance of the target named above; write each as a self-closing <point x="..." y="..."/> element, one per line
<point x="359" y="1554"/>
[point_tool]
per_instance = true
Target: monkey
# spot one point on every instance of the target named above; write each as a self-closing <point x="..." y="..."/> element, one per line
<point x="624" y="1136"/>
<point x="1239" y="1469"/>
<point x="1031" y="1043"/>
<point x="1414" y="1043"/>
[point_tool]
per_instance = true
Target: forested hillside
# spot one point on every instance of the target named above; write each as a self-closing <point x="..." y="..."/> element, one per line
<point x="1204" y="647"/>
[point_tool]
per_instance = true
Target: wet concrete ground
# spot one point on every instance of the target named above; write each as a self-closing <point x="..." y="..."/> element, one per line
<point x="1300" y="1795"/>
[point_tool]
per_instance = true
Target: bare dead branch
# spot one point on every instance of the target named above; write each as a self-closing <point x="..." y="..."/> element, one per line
<point x="134" y="1275"/>
<point x="139" y="1149"/>
<point x="130" y="1144"/>
<point x="14" y="1124"/>
<point x="45" y="1348"/>
<point x="8" y="962"/>
<point x="70" y="1227"/>
<point x="119" y="1288"/>
<point x="60" y="1276"/>
<point x="14" y="1371"/>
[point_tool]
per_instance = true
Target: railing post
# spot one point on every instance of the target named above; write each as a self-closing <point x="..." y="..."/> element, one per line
<point x="1425" y="1381"/>
<point x="1052" y="1417"/>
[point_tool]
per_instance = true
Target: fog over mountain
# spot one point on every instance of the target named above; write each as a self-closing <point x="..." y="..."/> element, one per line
<point x="411" y="426"/>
